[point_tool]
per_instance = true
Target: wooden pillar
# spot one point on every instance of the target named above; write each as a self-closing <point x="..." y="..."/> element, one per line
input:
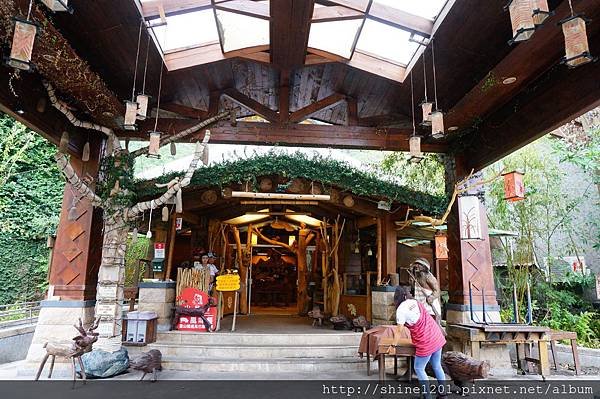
<point x="390" y="245"/>
<point x="302" y="300"/>
<point x="78" y="246"/>
<point x="469" y="261"/>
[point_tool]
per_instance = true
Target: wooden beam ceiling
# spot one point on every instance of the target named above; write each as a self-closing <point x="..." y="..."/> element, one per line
<point x="290" y="25"/>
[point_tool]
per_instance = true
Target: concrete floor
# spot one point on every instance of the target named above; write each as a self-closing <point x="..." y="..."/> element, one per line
<point x="276" y="324"/>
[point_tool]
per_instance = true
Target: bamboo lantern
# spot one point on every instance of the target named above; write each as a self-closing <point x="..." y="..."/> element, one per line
<point x="540" y="11"/>
<point x="58" y="5"/>
<point x="577" y="50"/>
<point x="470" y="218"/>
<point x="165" y="214"/>
<point x="414" y="144"/>
<point x="514" y="189"/>
<point x="437" y="125"/>
<point x="154" y="145"/>
<point x="521" y="19"/>
<point x="142" y="109"/>
<point x="130" y="115"/>
<point x="173" y="149"/>
<point x="426" y="107"/>
<point x="22" y="44"/>
<point x="85" y="154"/>
<point x="441" y="246"/>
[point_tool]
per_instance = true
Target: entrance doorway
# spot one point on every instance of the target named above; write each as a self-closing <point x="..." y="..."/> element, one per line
<point x="273" y="281"/>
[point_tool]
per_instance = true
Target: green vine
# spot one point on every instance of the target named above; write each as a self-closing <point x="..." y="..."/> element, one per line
<point x="117" y="168"/>
<point x="330" y="172"/>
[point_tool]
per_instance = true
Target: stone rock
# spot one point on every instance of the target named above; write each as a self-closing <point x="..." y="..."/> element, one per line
<point x="101" y="364"/>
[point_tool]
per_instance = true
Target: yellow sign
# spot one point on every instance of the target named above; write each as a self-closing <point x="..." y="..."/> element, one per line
<point x="228" y="282"/>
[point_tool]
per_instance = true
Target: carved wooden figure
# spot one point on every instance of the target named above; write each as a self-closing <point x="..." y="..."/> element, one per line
<point x="317" y="316"/>
<point x="81" y="344"/>
<point x="148" y="362"/>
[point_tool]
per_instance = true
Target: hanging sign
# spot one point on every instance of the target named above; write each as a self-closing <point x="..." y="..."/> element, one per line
<point x="178" y="224"/>
<point x="159" y="250"/>
<point x="228" y="282"/>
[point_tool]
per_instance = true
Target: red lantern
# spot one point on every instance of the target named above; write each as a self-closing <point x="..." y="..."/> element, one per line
<point x="521" y="19"/>
<point x="514" y="189"/>
<point x="441" y="247"/>
<point x="577" y="50"/>
<point x="22" y="44"/>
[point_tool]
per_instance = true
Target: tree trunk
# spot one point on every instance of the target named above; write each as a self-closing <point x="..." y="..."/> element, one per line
<point x="111" y="280"/>
<point x="302" y="269"/>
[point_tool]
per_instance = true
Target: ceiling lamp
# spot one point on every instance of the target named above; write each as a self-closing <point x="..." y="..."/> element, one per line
<point x="577" y="50"/>
<point x="58" y="5"/>
<point x="142" y="98"/>
<point x="437" y="117"/>
<point x="22" y="43"/>
<point x="414" y="142"/>
<point x="154" y="146"/>
<point x="540" y="11"/>
<point x="521" y="19"/>
<point x="426" y="105"/>
<point x="514" y="189"/>
<point x="131" y="107"/>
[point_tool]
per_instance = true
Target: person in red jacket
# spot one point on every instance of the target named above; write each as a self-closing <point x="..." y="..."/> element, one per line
<point x="426" y="335"/>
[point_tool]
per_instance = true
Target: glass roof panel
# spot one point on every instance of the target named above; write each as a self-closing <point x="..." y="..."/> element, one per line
<point x="384" y="41"/>
<point x="185" y="30"/>
<point x="335" y="37"/>
<point x="241" y="31"/>
<point x="424" y="8"/>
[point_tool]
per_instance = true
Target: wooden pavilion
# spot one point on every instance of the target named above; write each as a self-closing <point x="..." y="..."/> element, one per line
<point x="326" y="73"/>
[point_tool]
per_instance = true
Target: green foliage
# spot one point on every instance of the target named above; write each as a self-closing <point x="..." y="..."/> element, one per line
<point x="426" y="176"/>
<point x="134" y="253"/>
<point x="117" y="168"/>
<point x="328" y="171"/>
<point x="30" y="200"/>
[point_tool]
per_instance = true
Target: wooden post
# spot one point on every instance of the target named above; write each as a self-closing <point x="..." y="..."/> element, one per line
<point x="379" y="250"/>
<point x="172" y="239"/>
<point x="302" y="300"/>
<point x="235" y="301"/>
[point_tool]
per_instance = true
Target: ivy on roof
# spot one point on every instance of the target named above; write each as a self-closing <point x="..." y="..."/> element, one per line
<point x="329" y="172"/>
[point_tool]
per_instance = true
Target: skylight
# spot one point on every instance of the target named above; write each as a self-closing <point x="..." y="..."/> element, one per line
<point x="241" y="31"/>
<point x="429" y="9"/>
<point x="387" y="42"/>
<point x="186" y="30"/>
<point x="334" y="37"/>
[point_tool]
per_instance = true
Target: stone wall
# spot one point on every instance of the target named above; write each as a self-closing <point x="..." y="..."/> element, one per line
<point x="382" y="308"/>
<point x="158" y="297"/>
<point x="14" y="342"/>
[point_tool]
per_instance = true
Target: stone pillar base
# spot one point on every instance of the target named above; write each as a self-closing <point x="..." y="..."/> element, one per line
<point x="158" y="297"/>
<point x="383" y="311"/>
<point x="55" y="324"/>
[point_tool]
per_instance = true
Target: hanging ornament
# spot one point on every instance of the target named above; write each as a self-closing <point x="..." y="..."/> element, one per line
<point x="577" y="50"/>
<point x="426" y="105"/>
<point x="63" y="146"/>
<point x="414" y="142"/>
<point x="72" y="214"/>
<point x="58" y="5"/>
<point x="540" y="11"/>
<point x="437" y="117"/>
<point x="116" y="188"/>
<point x="178" y="202"/>
<point x="521" y="19"/>
<point x="369" y="252"/>
<point x="149" y="233"/>
<point x="22" y="42"/>
<point x="134" y="235"/>
<point x="142" y="99"/>
<point x="165" y="214"/>
<point x="514" y="189"/>
<point x="85" y="154"/>
<point x="127" y="143"/>
<point x="131" y="106"/>
<point x="173" y="149"/>
<point x="154" y="145"/>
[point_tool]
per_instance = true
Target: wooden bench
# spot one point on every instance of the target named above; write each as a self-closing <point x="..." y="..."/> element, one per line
<point x="554" y="336"/>
<point x="404" y="349"/>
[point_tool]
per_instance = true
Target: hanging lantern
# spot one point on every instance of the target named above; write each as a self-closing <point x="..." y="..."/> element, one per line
<point x="441" y="246"/>
<point x="154" y="145"/>
<point x="540" y="11"/>
<point x="22" y="44"/>
<point x="173" y="149"/>
<point x="63" y="145"/>
<point x="470" y="218"/>
<point x="134" y="235"/>
<point x="521" y="19"/>
<point x="142" y="102"/>
<point x="130" y="115"/>
<point x="437" y="125"/>
<point x="426" y="107"/>
<point x="291" y="240"/>
<point x="369" y="252"/>
<point x="414" y="143"/>
<point x="178" y="202"/>
<point x="514" y="189"/>
<point x="58" y="5"/>
<point x="85" y="154"/>
<point x="577" y="50"/>
<point x="149" y="234"/>
<point x="165" y="214"/>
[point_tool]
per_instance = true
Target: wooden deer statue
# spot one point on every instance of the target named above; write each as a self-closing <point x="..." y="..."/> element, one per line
<point x="71" y="350"/>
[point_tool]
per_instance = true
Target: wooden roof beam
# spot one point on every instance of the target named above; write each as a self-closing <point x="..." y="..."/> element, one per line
<point x="251" y="104"/>
<point x="335" y="13"/>
<point x="362" y="61"/>
<point x="324" y="103"/>
<point x="245" y="7"/>
<point x="400" y="19"/>
<point x="185" y="111"/>
<point x="290" y="24"/>
<point x="209" y="53"/>
<point x="152" y="9"/>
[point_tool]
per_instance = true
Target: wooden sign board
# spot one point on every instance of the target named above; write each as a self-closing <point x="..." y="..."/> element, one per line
<point x="228" y="282"/>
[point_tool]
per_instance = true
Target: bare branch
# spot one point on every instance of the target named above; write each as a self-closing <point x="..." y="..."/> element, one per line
<point x="174" y="185"/>
<point x="62" y="107"/>
<point x="67" y="170"/>
<point x="184" y="133"/>
<point x="271" y="241"/>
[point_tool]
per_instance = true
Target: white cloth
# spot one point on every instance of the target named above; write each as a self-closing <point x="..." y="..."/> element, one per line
<point x="408" y="312"/>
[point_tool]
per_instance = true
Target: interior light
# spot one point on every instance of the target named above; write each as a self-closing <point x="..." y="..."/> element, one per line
<point x="509" y="80"/>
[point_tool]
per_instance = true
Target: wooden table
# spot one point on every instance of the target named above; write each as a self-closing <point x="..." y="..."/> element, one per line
<point x="406" y="349"/>
<point x="518" y="334"/>
<point x="566" y="335"/>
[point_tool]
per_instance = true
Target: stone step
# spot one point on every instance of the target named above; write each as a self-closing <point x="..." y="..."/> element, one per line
<point x="202" y="338"/>
<point x="274" y="365"/>
<point x="255" y="351"/>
